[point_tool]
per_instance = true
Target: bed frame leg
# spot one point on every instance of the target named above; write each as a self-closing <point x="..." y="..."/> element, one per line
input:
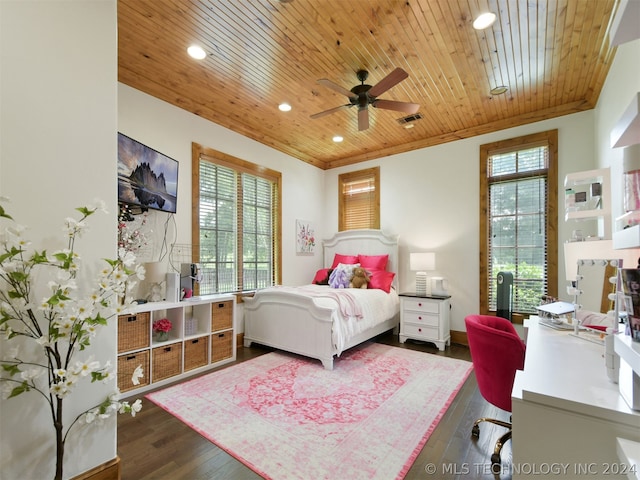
<point x="247" y="342"/>
<point x="327" y="363"/>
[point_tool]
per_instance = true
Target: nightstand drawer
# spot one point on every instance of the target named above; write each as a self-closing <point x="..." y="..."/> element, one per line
<point x="426" y="319"/>
<point x="421" y="305"/>
<point x="417" y="331"/>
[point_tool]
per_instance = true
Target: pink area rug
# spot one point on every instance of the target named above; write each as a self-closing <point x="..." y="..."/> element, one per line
<point x="286" y="417"/>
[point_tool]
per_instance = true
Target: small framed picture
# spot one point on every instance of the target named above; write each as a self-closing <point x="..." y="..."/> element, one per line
<point x="305" y="238"/>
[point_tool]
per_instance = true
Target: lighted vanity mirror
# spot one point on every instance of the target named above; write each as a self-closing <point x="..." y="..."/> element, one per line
<point x="596" y="282"/>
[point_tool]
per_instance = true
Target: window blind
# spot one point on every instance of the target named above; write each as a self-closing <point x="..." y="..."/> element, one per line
<point x="359" y="199"/>
<point x="517" y="198"/>
<point x="238" y="240"/>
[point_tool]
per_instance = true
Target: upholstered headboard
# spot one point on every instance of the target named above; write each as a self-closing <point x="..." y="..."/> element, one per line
<point x="365" y="242"/>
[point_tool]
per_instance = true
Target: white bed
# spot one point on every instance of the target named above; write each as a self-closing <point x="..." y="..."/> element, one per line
<point x="290" y="320"/>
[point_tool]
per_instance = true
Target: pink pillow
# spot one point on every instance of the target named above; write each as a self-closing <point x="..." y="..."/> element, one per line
<point x="381" y="280"/>
<point x="373" y="262"/>
<point x="346" y="259"/>
<point x="322" y="277"/>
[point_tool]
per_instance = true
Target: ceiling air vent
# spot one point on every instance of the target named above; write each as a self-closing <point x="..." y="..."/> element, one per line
<point x="409" y="118"/>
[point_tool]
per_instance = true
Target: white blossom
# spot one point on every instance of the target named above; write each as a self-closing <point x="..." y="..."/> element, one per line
<point x="59" y="389"/>
<point x="85" y="368"/>
<point x="138" y="373"/>
<point x="31" y="374"/>
<point x="136" y="407"/>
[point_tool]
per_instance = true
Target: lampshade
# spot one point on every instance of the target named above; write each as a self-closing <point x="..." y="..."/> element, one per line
<point x="422" y="261"/>
<point x="154" y="272"/>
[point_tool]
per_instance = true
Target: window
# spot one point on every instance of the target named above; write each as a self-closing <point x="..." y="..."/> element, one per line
<point x="235" y="222"/>
<point x="518" y="219"/>
<point x="359" y="199"/>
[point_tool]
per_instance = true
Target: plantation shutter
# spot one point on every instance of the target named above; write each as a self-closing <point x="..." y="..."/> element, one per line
<point x="517" y="240"/>
<point x="359" y="200"/>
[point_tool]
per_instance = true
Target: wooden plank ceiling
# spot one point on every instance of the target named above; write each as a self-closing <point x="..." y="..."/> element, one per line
<point x="553" y="55"/>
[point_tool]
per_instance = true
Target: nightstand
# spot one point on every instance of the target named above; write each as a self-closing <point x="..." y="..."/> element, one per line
<point x="425" y="318"/>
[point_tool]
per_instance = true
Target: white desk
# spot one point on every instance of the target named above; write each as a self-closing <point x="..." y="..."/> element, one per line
<point x="566" y="414"/>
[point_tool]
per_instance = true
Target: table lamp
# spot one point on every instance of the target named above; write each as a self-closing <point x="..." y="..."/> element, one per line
<point x="154" y="276"/>
<point x="421" y="263"/>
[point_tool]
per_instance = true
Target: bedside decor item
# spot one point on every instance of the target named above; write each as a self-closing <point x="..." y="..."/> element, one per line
<point x="421" y="263"/>
<point x="46" y="342"/>
<point x="161" y="329"/>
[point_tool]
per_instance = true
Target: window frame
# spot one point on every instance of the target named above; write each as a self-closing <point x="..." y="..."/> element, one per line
<point x="240" y="166"/>
<point x="346" y="178"/>
<point x="549" y="139"/>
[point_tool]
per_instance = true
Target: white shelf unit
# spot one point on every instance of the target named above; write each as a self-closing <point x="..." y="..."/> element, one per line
<point x="593" y="207"/>
<point x="202" y="337"/>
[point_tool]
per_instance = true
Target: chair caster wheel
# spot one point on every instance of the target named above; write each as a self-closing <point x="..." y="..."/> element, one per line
<point x="496" y="467"/>
<point x="475" y="431"/>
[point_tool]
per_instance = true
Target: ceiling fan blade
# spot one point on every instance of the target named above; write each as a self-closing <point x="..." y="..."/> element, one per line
<point x="387" y="82"/>
<point x="337" y="88"/>
<point x="330" y="111"/>
<point x="363" y="119"/>
<point x="405" y="107"/>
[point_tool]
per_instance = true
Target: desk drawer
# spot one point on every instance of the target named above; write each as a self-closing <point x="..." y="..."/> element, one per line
<point x="421" y="305"/>
<point x="426" y="319"/>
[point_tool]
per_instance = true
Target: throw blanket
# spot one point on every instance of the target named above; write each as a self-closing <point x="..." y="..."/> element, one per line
<point x="347" y="302"/>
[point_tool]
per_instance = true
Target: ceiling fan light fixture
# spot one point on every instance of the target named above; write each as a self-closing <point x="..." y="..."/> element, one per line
<point x="484" y="20"/>
<point x="499" y="90"/>
<point x="197" y="52"/>
<point x="284" y="107"/>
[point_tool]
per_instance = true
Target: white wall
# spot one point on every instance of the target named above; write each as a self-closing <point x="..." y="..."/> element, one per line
<point x="58" y="128"/>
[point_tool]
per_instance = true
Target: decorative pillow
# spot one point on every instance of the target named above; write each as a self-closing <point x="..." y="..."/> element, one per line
<point x="341" y="275"/>
<point x="373" y="262"/>
<point x="381" y="280"/>
<point x="322" y="276"/>
<point x="346" y="259"/>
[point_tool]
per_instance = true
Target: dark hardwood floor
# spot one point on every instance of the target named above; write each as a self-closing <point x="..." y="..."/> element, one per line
<point x="156" y="445"/>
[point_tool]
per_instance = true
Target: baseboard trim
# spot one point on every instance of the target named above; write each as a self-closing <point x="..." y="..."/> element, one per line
<point x="107" y="471"/>
<point x="459" y="338"/>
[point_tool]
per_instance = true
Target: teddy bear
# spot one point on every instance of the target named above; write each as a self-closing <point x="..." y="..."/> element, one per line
<point x="360" y="278"/>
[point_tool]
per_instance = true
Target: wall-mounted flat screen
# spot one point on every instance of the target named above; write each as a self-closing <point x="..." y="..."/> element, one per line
<point x="146" y="177"/>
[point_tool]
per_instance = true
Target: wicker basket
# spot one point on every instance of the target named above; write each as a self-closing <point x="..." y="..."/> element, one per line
<point x="166" y="361"/>
<point x="221" y="316"/>
<point x="133" y="331"/>
<point x="221" y="346"/>
<point x="127" y="364"/>
<point x="196" y="353"/>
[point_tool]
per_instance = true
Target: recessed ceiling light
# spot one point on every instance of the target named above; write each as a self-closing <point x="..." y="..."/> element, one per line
<point x="409" y="125"/>
<point x="197" y="52"/>
<point x="284" y="107"/>
<point x="338" y="139"/>
<point x="484" y="20"/>
<point x="499" y="90"/>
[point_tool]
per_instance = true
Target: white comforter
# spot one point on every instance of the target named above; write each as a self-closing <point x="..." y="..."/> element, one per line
<point x="362" y="310"/>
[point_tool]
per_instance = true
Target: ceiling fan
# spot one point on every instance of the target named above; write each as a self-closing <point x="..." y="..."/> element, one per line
<point x="364" y="95"/>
